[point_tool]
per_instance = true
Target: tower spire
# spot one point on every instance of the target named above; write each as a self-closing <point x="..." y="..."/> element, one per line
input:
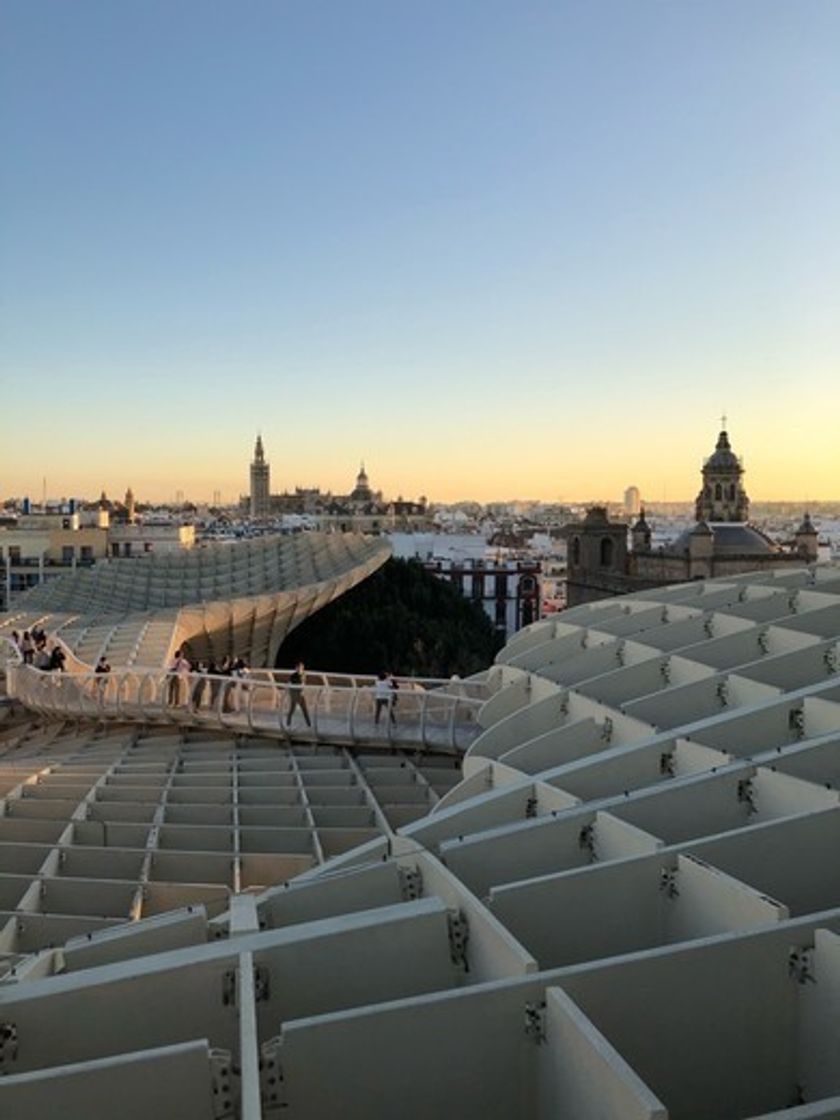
<point x="722" y="495"/>
<point x="260" y="481"/>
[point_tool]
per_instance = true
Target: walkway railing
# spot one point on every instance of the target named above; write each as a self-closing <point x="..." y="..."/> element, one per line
<point x="335" y="708"/>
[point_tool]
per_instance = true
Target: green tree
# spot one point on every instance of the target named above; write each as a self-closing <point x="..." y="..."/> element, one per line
<point x="402" y="619"/>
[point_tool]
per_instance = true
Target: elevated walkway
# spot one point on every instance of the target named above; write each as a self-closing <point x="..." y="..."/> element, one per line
<point x="439" y="715"/>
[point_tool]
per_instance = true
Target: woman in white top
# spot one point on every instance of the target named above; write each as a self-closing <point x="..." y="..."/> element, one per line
<point x="383" y="695"/>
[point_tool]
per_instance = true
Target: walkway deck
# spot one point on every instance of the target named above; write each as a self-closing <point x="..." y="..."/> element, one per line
<point x="437" y="715"/>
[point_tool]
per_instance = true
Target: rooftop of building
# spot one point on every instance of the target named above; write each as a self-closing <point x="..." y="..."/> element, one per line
<point x="626" y="907"/>
<point x="730" y="538"/>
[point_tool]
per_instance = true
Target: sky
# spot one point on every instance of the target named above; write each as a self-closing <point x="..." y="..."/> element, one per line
<point x="530" y="249"/>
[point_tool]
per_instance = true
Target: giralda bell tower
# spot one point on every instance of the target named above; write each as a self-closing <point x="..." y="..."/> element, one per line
<point x="260" y="485"/>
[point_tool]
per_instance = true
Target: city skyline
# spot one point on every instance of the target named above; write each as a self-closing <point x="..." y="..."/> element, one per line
<point x="178" y="492"/>
<point x="492" y="251"/>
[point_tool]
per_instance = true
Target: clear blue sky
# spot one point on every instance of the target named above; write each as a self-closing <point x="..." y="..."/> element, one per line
<point x="494" y="249"/>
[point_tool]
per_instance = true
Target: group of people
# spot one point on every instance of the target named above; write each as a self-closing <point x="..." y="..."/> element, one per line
<point x="34" y="650"/>
<point x="385" y="690"/>
<point x="385" y="695"/>
<point x="189" y="682"/>
<point x="210" y="679"/>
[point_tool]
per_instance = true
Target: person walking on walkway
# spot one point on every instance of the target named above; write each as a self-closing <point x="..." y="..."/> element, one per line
<point x="395" y="695"/>
<point x="27" y="648"/>
<point x="383" y="696"/>
<point x="296" y="697"/>
<point x="239" y="672"/>
<point x="102" y="670"/>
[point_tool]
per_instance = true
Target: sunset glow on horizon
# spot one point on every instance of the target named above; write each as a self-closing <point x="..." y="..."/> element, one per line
<point x="668" y="471"/>
<point x="495" y="252"/>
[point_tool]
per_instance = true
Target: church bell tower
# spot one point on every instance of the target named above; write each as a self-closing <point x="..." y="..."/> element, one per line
<point x="722" y="496"/>
<point x="260" y="484"/>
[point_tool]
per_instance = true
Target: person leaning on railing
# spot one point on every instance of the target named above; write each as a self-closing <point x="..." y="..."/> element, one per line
<point x="240" y="673"/>
<point x="226" y="670"/>
<point x="178" y="670"/>
<point x="215" y="681"/>
<point x="200" y="685"/>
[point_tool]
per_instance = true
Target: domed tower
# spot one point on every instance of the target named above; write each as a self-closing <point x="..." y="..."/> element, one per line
<point x="260" y="481"/>
<point x="722" y="497"/>
<point x="362" y="491"/>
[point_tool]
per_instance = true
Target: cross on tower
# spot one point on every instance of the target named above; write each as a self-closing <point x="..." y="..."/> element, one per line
<point x="723" y="422"/>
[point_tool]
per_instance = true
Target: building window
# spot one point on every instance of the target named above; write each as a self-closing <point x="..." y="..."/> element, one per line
<point x="68" y="554"/>
<point x="575" y="550"/>
<point x="606" y="552"/>
<point x="87" y="554"/>
<point x="718" y="492"/>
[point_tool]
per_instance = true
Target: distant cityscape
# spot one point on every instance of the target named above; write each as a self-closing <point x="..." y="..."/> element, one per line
<point x="513" y="557"/>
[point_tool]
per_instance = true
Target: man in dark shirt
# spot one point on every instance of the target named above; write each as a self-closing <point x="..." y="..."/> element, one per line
<point x="296" y="698"/>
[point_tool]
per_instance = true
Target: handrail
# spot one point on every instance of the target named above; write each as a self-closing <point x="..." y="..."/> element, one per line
<point x="434" y="718"/>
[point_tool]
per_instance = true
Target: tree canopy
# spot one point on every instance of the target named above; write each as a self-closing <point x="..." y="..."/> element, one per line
<point x="402" y="619"/>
